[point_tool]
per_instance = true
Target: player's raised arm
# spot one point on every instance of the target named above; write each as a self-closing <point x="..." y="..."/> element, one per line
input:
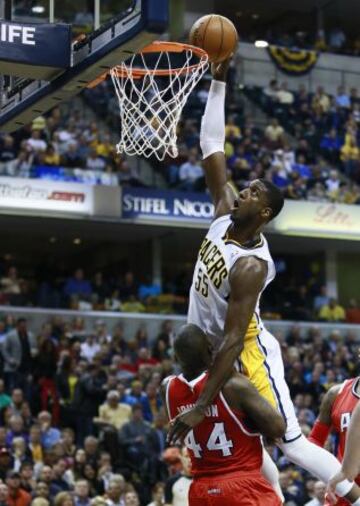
<point x="241" y="394"/>
<point x="212" y="142"/>
<point x="247" y="280"/>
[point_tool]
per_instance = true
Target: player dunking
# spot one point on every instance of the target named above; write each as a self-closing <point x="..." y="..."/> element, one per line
<point x="234" y="266"/>
<point x="226" y="455"/>
<point x="335" y="414"/>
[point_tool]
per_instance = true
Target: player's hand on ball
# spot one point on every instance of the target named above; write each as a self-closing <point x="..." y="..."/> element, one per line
<point x="219" y="70"/>
<point x="182" y="424"/>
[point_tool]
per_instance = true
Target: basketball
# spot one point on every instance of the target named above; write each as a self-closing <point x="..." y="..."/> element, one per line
<point x="215" y="34"/>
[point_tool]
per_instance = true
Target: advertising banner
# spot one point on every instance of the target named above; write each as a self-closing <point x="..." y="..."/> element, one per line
<point x="32" y="50"/>
<point x="47" y="196"/>
<point x="166" y="206"/>
<point x="325" y="219"/>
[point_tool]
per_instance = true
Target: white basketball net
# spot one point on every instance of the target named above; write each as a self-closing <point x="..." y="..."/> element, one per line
<point x="150" y="106"/>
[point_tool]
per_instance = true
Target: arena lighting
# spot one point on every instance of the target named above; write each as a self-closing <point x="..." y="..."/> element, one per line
<point x="261" y="43"/>
<point x="38" y="9"/>
<point x="77" y="241"/>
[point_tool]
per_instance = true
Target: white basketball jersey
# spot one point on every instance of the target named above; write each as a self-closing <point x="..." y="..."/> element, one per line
<point x="210" y="289"/>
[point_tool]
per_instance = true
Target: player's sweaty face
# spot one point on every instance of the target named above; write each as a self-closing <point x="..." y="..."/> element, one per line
<point x="249" y="202"/>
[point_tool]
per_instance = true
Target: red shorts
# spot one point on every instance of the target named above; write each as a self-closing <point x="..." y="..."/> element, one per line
<point x="233" y="489"/>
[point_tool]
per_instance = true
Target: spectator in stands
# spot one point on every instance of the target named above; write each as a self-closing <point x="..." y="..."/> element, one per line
<point x="337" y="39"/>
<point x="332" y="312"/>
<point x="131" y="498"/>
<point x="7" y="149"/>
<point x="16" y="495"/>
<point x="89" y="394"/>
<point x="18" y="350"/>
<point x="129" y="287"/>
<point x="115" y="492"/>
<point x="333" y="182"/>
<point x="90" y="348"/>
<point x="78" y="287"/>
<point x="136" y="437"/>
<point x="321" y="101"/>
<point x="158" y="495"/>
<point x="350" y="154"/>
<point x="342" y="98"/>
<point x="190" y="174"/>
<point x="274" y="134"/>
<point x="81" y="493"/>
<point x="353" y="312"/>
<point x="50" y="436"/>
<point x="330" y="145"/>
<point x="319" y="494"/>
<point x="95" y="162"/>
<point x="11" y="284"/>
<point x="5" y="399"/>
<point x="301" y="168"/>
<point x="35" y="143"/>
<point x="114" y="413"/>
<point x="284" y="96"/>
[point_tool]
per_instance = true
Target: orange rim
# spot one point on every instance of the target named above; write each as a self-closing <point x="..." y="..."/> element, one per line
<point x="159" y="47"/>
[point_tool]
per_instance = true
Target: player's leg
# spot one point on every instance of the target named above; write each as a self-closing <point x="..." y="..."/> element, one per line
<point x="263" y="364"/>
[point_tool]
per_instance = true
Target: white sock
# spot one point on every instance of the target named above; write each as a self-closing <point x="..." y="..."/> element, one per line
<point x="271" y="474"/>
<point x="212" y="132"/>
<point x="316" y="461"/>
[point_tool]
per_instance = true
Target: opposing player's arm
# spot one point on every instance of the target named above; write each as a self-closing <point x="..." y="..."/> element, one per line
<point x="351" y="462"/>
<point x="242" y="395"/>
<point x="247" y="279"/>
<point x="322" y="425"/>
<point x="212" y="141"/>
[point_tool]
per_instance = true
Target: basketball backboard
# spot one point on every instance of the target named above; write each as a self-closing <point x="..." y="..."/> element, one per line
<point x="23" y="95"/>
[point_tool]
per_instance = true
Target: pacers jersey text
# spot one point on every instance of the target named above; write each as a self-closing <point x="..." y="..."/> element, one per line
<point x="210" y="288"/>
<point x="221" y="443"/>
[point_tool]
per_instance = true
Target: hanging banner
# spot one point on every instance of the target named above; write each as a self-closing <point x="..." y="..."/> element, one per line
<point x="295" y="62"/>
<point x="140" y="204"/>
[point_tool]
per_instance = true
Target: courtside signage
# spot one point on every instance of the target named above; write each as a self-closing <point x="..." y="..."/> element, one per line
<point x="171" y="206"/>
<point x="47" y="196"/>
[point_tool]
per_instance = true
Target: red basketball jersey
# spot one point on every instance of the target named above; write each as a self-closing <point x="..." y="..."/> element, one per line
<point x="341" y="412"/>
<point x="221" y="443"/>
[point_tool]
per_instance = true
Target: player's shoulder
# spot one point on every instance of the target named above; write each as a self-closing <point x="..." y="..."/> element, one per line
<point x="332" y="394"/>
<point x="236" y="384"/>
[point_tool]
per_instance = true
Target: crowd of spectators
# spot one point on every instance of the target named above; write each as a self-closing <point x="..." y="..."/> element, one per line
<point x="320" y="162"/>
<point x="323" y="164"/>
<point x="82" y="421"/>
<point x="304" y="298"/>
<point x="335" y="40"/>
<point x="68" y="146"/>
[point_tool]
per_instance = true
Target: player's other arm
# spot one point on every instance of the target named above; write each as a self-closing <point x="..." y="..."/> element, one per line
<point x="322" y="425"/>
<point x="242" y="395"/>
<point x="247" y="279"/>
<point x="212" y="141"/>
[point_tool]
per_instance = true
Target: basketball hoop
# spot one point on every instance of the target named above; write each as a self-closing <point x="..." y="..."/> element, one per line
<point x="152" y="88"/>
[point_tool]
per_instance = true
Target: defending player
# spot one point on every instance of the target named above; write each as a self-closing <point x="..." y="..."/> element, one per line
<point x="234" y="266"/>
<point x="335" y="414"/>
<point x="226" y="455"/>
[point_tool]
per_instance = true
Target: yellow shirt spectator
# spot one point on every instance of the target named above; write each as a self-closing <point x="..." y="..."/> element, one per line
<point x="332" y="312"/>
<point x="349" y="152"/>
<point x="113" y="412"/>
